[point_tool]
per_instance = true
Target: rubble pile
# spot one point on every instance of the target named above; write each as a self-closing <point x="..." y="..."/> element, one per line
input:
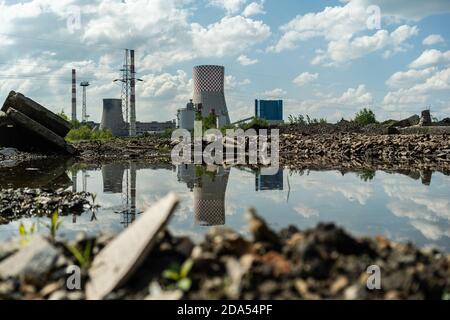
<point x="28" y="126"/>
<point x="378" y="147"/>
<point x="320" y="263"/>
<point x="148" y="147"/>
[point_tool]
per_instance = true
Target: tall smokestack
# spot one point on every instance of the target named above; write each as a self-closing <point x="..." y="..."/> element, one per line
<point x="74" y="95"/>
<point x="132" y="96"/>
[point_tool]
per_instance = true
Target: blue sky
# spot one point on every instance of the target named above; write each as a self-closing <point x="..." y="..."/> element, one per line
<point x="324" y="58"/>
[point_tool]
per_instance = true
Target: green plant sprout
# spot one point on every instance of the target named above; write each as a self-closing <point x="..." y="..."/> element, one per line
<point x="180" y="275"/>
<point x="83" y="257"/>
<point x="55" y="224"/>
<point x="25" y="234"/>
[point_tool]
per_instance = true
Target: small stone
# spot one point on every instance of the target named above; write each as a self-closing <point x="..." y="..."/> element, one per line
<point x="340" y="283"/>
<point x="58" y="295"/>
<point x="258" y="227"/>
<point x="51" y="288"/>
<point x="32" y="263"/>
<point x="352" y="292"/>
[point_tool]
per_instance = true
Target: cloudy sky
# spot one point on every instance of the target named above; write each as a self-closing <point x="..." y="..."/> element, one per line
<point x="324" y="58"/>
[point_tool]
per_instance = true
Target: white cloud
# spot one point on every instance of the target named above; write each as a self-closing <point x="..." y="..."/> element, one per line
<point x="431" y="57"/>
<point x="354" y="96"/>
<point x="433" y="39"/>
<point x="332" y="23"/>
<point x="231" y="6"/>
<point x="274" y="94"/>
<point x="408" y="9"/>
<point x="408" y="78"/>
<point x="246" y="61"/>
<point x="333" y="106"/>
<point x="346" y="49"/>
<point x="428" y="212"/>
<point x="253" y="9"/>
<point x="305" y="78"/>
<point x="418" y="93"/>
<point x="306" y="212"/>
<point x="228" y="36"/>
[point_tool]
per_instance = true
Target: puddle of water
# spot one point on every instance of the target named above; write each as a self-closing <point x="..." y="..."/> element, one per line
<point x="408" y="206"/>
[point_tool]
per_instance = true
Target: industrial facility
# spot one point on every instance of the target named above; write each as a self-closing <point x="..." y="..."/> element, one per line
<point x="119" y="115"/>
<point x="112" y="118"/>
<point x="113" y="109"/>
<point x="209" y="97"/>
<point x="269" y="110"/>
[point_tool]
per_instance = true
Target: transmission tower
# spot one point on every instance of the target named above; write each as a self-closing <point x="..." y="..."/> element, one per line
<point x="84" y="116"/>
<point x="125" y="94"/>
<point x="128" y="91"/>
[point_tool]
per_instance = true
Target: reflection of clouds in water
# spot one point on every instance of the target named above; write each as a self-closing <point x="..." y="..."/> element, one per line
<point x="352" y="188"/>
<point x="306" y="212"/>
<point x="427" y="211"/>
<point x="431" y="231"/>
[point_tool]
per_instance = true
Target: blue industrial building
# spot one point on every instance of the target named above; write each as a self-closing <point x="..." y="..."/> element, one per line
<point x="270" y="182"/>
<point x="270" y="110"/>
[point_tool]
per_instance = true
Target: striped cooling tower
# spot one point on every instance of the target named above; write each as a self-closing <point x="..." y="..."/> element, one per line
<point x="209" y="91"/>
<point x="209" y="198"/>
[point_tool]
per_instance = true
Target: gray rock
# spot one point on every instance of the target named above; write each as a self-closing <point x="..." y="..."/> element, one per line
<point x="32" y="263"/>
<point x="8" y="248"/>
<point x="9" y="152"/>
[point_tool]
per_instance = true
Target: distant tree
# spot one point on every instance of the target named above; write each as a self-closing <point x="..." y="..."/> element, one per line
<point x="365" y="116"/>
<point x="302" y="120"/>
<point x="63" y="115"/>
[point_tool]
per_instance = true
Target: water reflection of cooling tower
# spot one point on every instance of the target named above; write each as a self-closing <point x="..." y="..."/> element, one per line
<point x="209" y="91"/>
<point x="113" y="177"/>
<point x="112" y="117"/>
<point x="209" y="198"/>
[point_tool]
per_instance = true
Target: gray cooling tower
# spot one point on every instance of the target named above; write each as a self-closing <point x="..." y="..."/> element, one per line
<point x="113" y="177"/>
<point x="112" y="117"/>
<point x="209" y="91"/>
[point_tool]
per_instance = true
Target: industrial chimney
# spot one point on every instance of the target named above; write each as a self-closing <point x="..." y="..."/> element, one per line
<point x="112" y="117"/>
<point x="74" y="95"/>
<point x="209" y="91"/>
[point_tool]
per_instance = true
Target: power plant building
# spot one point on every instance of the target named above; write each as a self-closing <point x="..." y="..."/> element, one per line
<point x="270" y="110"/>
<point x="112" y="119"/>
<point x="186" y="117"/>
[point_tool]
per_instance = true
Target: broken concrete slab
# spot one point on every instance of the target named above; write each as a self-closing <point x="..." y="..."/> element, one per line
<point x="32" y="263"/>
<point x="45" y="133"/>
<point x="37" y="112"/>
<point x="435" y="130"/>
<point x="116" y="263"/>
<point x="411" y="121"/>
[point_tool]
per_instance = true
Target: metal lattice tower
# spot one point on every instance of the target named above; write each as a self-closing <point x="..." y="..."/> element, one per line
<point x="125" y="93"/>
<point x="128" y="94"/>
<point x="84" y="116"/>
<point x="132" y="96"/>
